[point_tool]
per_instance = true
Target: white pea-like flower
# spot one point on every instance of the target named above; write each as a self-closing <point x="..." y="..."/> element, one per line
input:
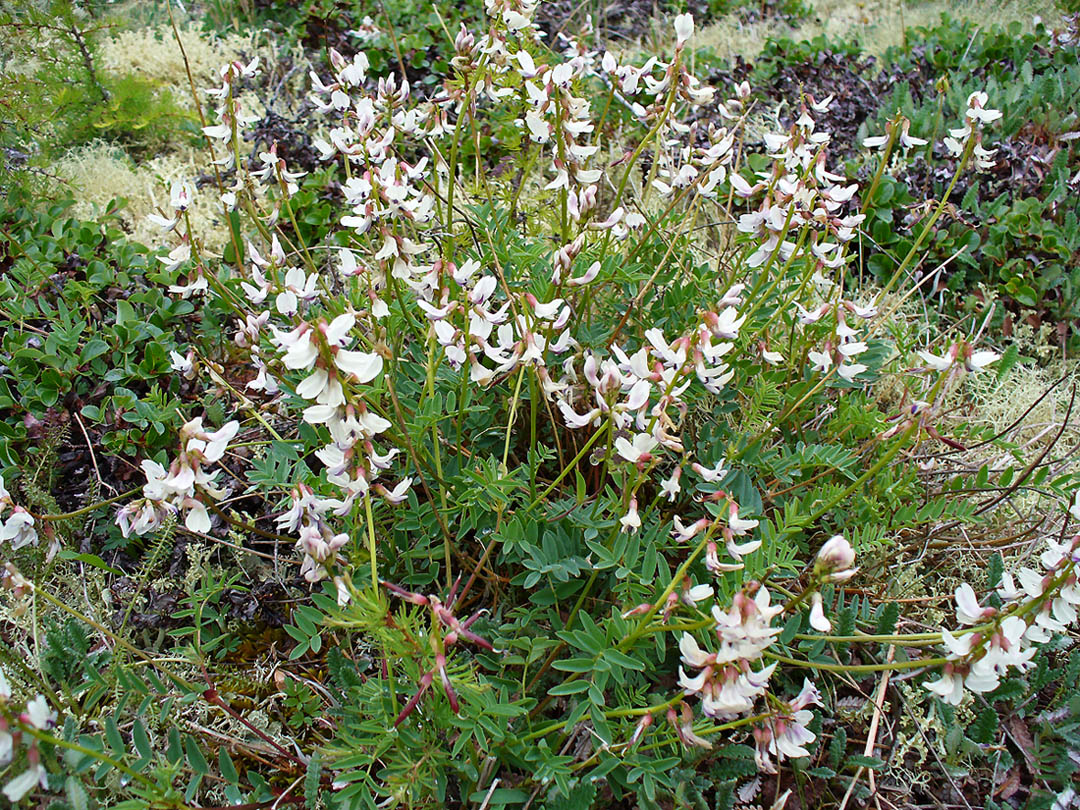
<point x="684" y="28"/>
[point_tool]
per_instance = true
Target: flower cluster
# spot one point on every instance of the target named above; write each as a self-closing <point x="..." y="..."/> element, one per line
<point x="960" y="357"/>
<point x="727" y="684"/>
<point x="731" y="680"/>
<point x="786" y="734"/>
<point x="318" y="542"/>
<point x="975" y="117"/>
<point x="898" y="129"/>
<point x="1034" y="606"/>
<point x="182" y="487"/>
<point x="834" y="564"/>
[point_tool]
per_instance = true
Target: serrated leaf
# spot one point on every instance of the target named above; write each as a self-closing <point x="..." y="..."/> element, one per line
<point x="838" y="747"/>
<point x="725" y="795"/>
<point x="579" y="798"/>
<point x="887" y="618"/>
<point x="311" y="781"/>
<point x="76" y="794"/>
<point x="984" y="727"/>
<point x="845" y="621"/>
<point x="1010" y="689"/>
<point x="860" y="761"/>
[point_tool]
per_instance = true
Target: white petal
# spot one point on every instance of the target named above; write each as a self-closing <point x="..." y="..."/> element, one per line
<point x="198" y="519"/>
<point x="286" y="302"/>
<point x="22" y="784"/>
<point x="692" y="654"/>
<point x="817" y="616"/>
<point x="311" y="387"/>
<point x="365" y="366"/>
<point x="339" y="329"/>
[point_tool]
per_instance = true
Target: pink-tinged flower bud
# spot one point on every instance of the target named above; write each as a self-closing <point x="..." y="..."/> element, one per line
<point x="464" y="41"/>
<point x="14" y="581"/>
<point x="692" y="594"/>
<point x="639" y="730"/>
<point x="451" y="695"/>
<point x="836" y="555"/>
<point x="669" y="606"/>
<point x="683" y="723"/>
<point x="425" y="682"/>
<point x="409" y="596"/>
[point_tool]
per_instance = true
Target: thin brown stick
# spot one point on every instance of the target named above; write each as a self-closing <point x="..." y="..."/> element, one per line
<point x="871" y="735"/>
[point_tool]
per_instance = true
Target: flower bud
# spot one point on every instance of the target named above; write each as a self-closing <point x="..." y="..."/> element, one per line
<point x="836" y="555"/>
<point x="639" y="729"/>
<point x="684" y="28"/>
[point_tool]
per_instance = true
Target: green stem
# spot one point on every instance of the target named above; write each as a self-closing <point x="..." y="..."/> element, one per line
<point x="643" y="622"/>
<point x="881" y="166"/>
<point x="117" y="640"/>
<point x="533" y="395"/>
<point x="866" y="476"/>
<point x="968" y="149"/>
<point x="92" y="507"/>
<point x="641" y="148"/>
<point x="371" y="544"/>
<point x="513" y="413"/>
<point x="891" y="667"/>
<point x="566" y="470"/>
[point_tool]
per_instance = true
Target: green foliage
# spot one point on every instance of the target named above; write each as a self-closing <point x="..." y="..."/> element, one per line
<point x="65" y="654"/>
<point x="784" y="50"/>
<point x="1032" y="81"/>
<point x="416" y="32"/>
<point x="1012" y="232"/>
<point x="135" y="114"/>
<point x="791" y="11"/>
<point x="78" y="309"/>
